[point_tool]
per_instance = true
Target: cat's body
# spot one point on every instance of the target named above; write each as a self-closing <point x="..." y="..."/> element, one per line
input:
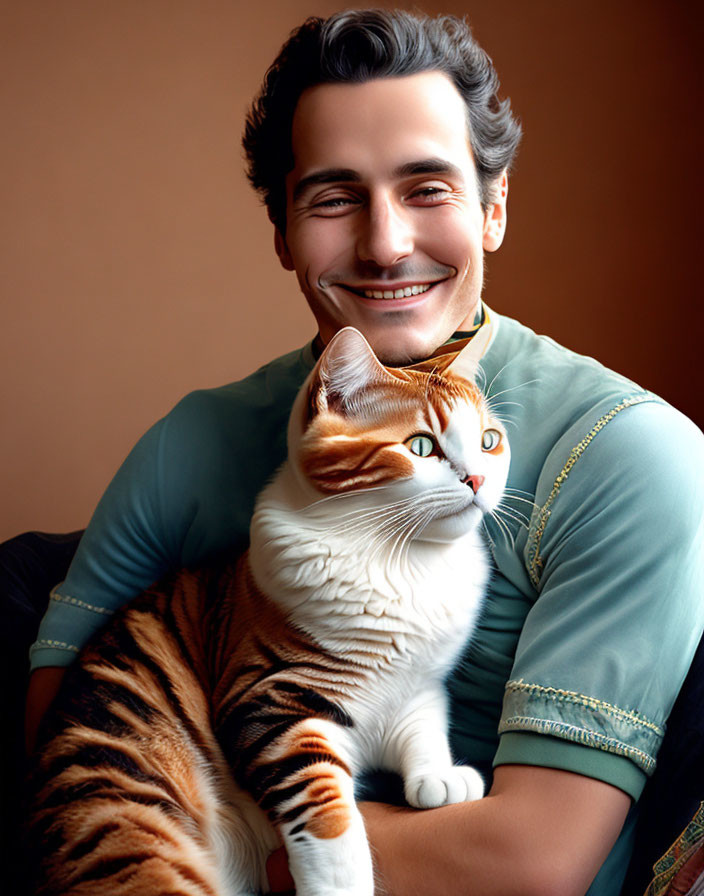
<point x="236" y="704"/>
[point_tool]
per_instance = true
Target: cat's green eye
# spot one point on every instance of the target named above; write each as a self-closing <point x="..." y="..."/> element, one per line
<point x="490" y="439"/>
<point x="421" y="445"/>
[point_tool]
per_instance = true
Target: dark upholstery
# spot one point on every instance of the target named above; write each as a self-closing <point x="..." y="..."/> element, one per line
<point x="673" y="794"/>
<point x="30" y="565"/>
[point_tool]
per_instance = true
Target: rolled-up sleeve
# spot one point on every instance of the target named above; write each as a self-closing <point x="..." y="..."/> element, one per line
<point x="615" y="553"/>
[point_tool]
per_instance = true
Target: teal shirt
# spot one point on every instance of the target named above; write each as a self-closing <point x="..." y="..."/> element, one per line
<point x="595" y="605"/>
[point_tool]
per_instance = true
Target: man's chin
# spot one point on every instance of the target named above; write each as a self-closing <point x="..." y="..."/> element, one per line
<point x="403" y="348"/>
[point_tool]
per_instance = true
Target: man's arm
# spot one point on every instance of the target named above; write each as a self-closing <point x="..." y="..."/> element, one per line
<point x="44" y="685"/>
<point x="539" y="832"/>
<point x="183" y="493"/>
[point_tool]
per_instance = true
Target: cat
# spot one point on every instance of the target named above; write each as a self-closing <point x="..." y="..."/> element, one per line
<point x="230" y="708"/>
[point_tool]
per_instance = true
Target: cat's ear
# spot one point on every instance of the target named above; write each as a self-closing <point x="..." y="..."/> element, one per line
<point x="466" y="364"/>
<point x="347" y="366"/>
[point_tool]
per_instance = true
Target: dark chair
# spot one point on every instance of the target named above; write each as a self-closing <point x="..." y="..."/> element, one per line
<point x="673" y="795"/>
<point x="30" y="566"/>
<point x="32" y="563"/>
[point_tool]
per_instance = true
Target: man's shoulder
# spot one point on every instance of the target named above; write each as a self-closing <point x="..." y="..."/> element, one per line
<point x="269" y="389"/>
<point x="550" y="389"/>
<point x="558" y="369"/>
<point x="560" y="406"/>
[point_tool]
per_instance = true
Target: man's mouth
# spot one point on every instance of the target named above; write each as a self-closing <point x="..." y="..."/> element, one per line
<point x="400" y="293"/>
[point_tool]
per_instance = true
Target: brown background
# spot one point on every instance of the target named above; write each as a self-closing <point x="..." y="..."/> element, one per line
<point x="136" y="263"/>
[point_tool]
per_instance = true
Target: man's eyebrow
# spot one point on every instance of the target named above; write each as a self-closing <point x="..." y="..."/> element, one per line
<point x="349" y="175"/>
<point x="326" y="176"/>
<point x="429" y="166"/>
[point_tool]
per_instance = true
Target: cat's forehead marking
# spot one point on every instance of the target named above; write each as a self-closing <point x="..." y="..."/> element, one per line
<point x="445" y="396"/>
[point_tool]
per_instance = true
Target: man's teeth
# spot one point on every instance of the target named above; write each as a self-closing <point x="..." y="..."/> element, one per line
<point x="396" y="293"/>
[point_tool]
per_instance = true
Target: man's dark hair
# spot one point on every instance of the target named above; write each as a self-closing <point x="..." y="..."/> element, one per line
<point x="360" y="45"/>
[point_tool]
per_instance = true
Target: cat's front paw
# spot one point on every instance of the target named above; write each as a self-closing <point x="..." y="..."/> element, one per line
<point x="457" y="784"/>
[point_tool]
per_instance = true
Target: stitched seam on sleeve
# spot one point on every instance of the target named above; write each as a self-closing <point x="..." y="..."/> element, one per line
<point x="592" y="703"/>
<point x="81" y="604"/>
<point x="536" y="562"/>
<point x="60" y="645"/>
<point x="576" y="734"/>
<point x="581" y="719"/>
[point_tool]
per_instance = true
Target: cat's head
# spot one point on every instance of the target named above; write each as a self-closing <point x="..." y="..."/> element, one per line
<point x="421" y="436"/>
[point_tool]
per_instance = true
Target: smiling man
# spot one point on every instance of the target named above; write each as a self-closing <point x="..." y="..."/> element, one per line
<point x="383" y="223"/>
<point x="382" y="152"/>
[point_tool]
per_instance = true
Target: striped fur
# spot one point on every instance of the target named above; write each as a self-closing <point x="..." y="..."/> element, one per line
<point x="231" y="707"/>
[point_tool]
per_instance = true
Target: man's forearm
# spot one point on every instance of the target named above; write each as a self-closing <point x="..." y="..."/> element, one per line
<point x="540" y="832"/>
<point x="43" y="686"/>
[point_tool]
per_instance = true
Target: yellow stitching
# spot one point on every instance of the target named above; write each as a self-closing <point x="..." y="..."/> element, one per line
<point x="576" y="453"/>
<point x="576" y="734"/>
<point x="47" y="642"/>
<point x="75" y="602"/>
<point x="590" y="702"/>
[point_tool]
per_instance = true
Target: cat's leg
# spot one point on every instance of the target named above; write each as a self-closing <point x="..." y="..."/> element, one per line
<point x="304" y="782"/>
<point x="417" y="747"/>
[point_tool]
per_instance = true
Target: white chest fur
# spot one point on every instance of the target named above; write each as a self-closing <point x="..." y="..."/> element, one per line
<point x="364" y="589"/>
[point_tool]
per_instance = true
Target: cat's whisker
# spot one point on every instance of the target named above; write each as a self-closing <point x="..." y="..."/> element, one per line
<point x="491" y="398"/>
<point x="339" y="497"/>
<point x="505" y="419"/>
<point x="383" y="538"/>
<point x="516" y="491"/>
<point x="399" y="523"/>
<point x="503" y="528"/>
<point x="396" y="551"/>
<point x="373" y="513"/>
<point x="407" y="526"/>
<point x="500" y="404"/>
<point x="491" y="539"/>
<point x="487" y="391"/>
<point x="506" y="514"/>
<point x="506" y="498"/>
<point x="519" y="498"/>
<point x="403" y="544"/>
<point x="372" y="519"/>
<point x="517" y="512"/>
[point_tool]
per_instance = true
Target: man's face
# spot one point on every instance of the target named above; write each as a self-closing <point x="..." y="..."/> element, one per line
<point x="384" y="226"/>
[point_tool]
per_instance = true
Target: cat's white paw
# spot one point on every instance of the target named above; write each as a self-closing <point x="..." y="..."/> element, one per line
<point x="457" y="784"/>
<point x="356" y="888"/>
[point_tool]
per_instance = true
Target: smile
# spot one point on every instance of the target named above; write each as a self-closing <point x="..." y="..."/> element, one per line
<point x="401" y="293"/>
<point x="396" y="293"/>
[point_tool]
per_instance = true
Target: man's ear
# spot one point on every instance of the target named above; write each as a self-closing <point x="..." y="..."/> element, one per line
<point x="282" y="250"/>
<point x="495" y="216"/>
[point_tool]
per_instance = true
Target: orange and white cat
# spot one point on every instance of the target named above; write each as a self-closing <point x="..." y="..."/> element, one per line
<point x="234" y="705"/>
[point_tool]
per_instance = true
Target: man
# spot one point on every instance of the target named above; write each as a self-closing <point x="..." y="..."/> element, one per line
<point x="383" y="153"/>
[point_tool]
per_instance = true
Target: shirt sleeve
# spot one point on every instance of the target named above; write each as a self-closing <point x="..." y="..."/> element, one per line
<point x="144" y="524"/>
<point x="615" y="551"/>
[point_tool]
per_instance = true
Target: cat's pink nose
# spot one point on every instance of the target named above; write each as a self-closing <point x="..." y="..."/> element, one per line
<point x="474" y="482"/>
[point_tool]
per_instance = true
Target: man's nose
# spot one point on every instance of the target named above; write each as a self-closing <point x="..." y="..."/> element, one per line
<point x="386" y="235"/>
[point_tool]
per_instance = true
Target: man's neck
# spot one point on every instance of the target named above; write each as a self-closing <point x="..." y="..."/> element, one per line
<point x="479" y="317"/>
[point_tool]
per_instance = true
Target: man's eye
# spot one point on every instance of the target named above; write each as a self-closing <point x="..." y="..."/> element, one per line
<point x="335" y="203"/>
<point x="430" y="194"/>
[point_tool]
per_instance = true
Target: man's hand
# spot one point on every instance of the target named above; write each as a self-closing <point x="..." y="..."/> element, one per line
<point x="280" y="880"/>
<point x="43" y="686"/>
